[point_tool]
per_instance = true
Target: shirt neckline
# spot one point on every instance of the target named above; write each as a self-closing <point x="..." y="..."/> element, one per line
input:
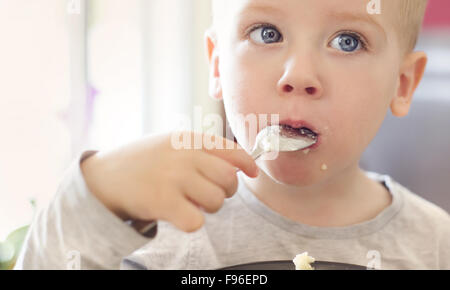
<point x="346" y="232"/>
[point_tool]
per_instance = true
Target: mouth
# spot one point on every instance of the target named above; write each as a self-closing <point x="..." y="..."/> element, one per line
<point x="303" y="132"/>
<point x="301" y="129"/>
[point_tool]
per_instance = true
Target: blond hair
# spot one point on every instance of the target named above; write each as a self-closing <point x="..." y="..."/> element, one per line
<point x="409" y="22"/>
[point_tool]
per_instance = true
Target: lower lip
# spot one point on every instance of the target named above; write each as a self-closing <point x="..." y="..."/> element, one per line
<point x="317" y="144"/>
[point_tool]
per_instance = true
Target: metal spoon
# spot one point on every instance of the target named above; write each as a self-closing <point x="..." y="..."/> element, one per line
<point x="282" y="139"/>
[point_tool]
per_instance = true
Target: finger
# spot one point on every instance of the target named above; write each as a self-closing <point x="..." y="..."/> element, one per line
<point x="205" y="194"/>
<point x="185" y="215"/>
<point x="234" y="154"/>
<point x="218" y="171"/>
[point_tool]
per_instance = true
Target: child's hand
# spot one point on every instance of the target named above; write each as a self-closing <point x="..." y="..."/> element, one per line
<point x="150" y="180"/>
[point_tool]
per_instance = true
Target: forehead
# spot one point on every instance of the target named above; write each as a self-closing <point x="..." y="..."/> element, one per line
<point x="320" y="9"/>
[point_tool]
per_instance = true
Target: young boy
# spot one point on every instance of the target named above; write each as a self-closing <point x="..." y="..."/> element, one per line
<point x="331" y="66"/>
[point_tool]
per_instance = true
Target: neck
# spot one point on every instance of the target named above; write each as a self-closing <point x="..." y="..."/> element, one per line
<point x="344" y="199"/>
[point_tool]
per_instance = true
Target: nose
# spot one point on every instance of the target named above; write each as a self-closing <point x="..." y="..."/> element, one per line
<point x="300" y="78"/>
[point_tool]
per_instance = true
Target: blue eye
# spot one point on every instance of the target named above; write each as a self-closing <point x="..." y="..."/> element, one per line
<point x="347" y="42"/>
<point x="268" y="34"/>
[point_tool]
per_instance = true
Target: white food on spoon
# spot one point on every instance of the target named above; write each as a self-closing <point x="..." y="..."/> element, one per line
<point x="282" y="139"/>
<point x="274" y="140"/>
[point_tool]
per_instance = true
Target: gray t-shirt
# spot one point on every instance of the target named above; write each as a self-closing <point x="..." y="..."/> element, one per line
<point x="76" y="231"/>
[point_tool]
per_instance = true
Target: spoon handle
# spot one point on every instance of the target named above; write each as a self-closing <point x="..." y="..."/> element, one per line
<point x="257" y="153"/>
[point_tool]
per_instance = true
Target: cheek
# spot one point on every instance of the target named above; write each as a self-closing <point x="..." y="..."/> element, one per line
<point x="244" y="85"/>
<point x="361" y="101"/>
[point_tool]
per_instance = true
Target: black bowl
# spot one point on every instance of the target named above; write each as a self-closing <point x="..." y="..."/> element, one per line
<point x="289" y="265"/>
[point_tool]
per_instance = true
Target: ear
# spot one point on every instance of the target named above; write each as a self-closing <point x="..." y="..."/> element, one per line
<point x="215" y="87"/>
<point x="411" y="73"/>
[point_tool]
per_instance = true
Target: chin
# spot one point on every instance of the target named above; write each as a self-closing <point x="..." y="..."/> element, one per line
<point x="289" y="169"/>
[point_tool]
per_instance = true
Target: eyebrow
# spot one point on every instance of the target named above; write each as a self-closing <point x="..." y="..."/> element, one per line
<point x="260" y="8"/>
<point x="352" y="17"/>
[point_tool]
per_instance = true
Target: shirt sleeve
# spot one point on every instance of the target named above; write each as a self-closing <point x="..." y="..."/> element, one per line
<point x="76" y="231"/>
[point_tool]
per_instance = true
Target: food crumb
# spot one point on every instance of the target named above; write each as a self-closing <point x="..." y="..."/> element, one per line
<point x="306" y="151"/>
<point x="303" y="261"/>
<point x="324" y="167"/>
